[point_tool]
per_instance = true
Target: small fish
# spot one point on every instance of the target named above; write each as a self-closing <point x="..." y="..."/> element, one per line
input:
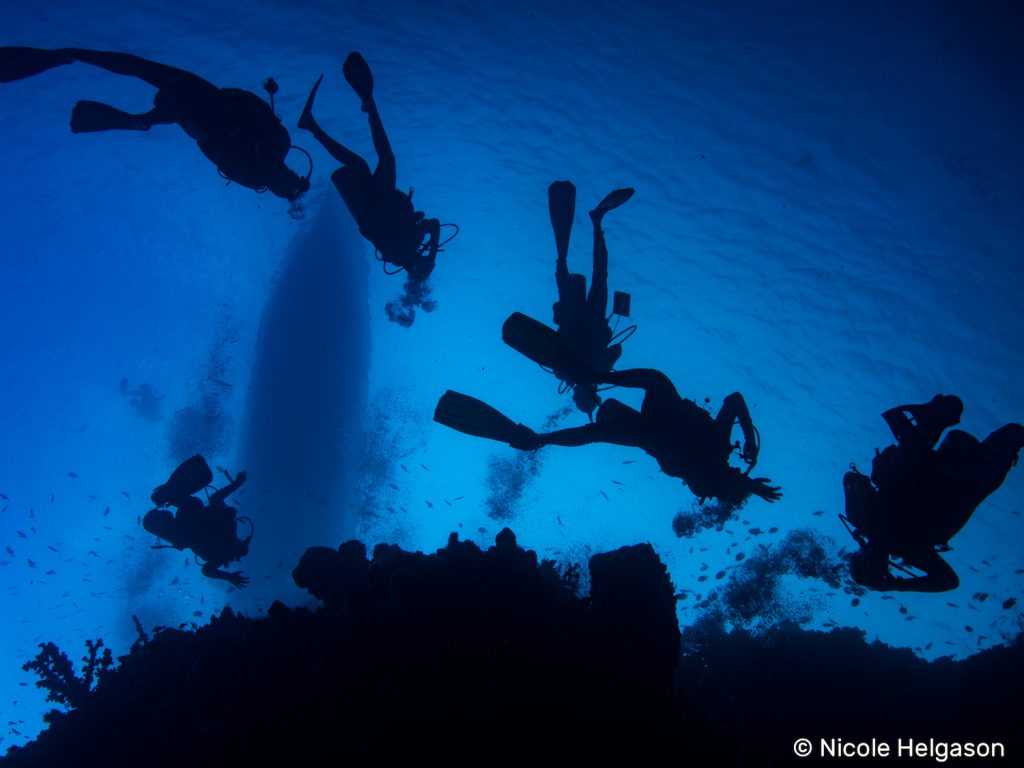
<point x="704" y="566"/>
<point x="855" y="602"/>
<point x="51" y="572"/>
<point x="953" y="605"/>
<point x="968" y="627"/>
<point x="197" y="613"/>
<point x="617" y="482"/>
<point x="405" y="468"/>
<point x="459" y="498"/>
<point x="702" y="578"/>
<point x="72" y="475"/>
<point x="425" y="467"/>
<point x="605" y="496"/>
<point x="5" y="497"/>
<point x="739" y="556"/>
<point x="51" y="498"/>
<point x="92" y="552"/>
<point x="559" y="520"/>
<point x="756" y="531"/>
<point x="719" y="575"/>
<point x="981" y="597"/>
<point x="31" y="564"/>
<point x="31" y="513"/>
<point x="818" y="512"/>
<point x="630" y="461"/>
<point x="175" y="580"/>
<point x="928" y="646"/>
<point x="447" y="502"/>
<point x="429" y="504"/>
<point x="773" y="529"/>
<point x="125" y="494"/>
<point x="106" y="511"/>
<point x="393" y="486"/>
<point x="21" y="534"/>
<point x="903" y="609"/>
<point x="1008" y="604"/>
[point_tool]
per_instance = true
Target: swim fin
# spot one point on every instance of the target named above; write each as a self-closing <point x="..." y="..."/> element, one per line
<point x="611" y="201"/>
<point x="17" y="62"/>
<point x="94" y="116"/>
<point x="190" y="477"/>
<point x="538" y="342"/>
<point x="474" y="417"/>
<point x="562" y="207"/>
<point x="357" y="73"/>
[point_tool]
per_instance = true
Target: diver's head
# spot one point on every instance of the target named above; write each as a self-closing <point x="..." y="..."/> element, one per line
<point x="286" y="183"/>
<point x="586" y="399"/>
<point x="869" y="566"/>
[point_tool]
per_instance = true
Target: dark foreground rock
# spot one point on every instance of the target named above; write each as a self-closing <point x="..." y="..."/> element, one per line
<point x="791" y="684"/>
<point x="466" y="656"/>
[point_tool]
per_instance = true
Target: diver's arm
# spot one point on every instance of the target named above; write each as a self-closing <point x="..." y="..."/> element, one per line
<point x="638" y="378"/>
<point x="227" y="490"/>
<point x="235" y="578"/>
<point x="734" y="408"/>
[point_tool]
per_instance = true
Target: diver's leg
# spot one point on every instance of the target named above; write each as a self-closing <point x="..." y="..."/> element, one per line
<point x="18" y="62"/>
<point x="157" y="75"/>
<point x="386" y="173"/>
<point x="616" y="423"/>
<point x="342" y="154"/>
<point x="597" y="299"/>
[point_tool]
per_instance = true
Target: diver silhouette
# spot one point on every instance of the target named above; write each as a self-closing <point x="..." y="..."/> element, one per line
<point x="210" y="531"/>
<point x="234" y="128"/>
<point x="143" y="399"/>
<point x="585" y="344"/>
<point x="919" y="497"/>
<point x="682" y="437"/>
<point x="403" y="236"/>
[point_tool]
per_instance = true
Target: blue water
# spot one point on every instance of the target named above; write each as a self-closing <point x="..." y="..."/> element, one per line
<point x="826" y="219"/>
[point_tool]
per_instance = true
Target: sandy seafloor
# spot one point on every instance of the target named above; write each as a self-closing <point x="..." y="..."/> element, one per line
<point x="824" y="220"/>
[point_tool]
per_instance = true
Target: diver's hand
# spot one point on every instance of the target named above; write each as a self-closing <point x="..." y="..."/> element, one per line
<point x="237" y="579"/>
<point x="241" y="476"/>
<point x="760" y="487"/>
<point x="525" y="439"/>
<point x="750" y="451"/>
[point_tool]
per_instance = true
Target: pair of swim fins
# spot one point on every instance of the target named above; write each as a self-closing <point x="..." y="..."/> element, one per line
<point x="474" y="417"/>
<point x="562" y="210"/>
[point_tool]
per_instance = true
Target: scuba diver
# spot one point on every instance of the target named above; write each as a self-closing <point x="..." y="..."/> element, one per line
<point x="144" y="400"/>
<point x="210" y="531"/>
<point x="585" y="344"/>
<point x="402" y="236"/>
<point x="684" y="438"/>
<point x="919" y="497"/>
<point x="234" y="128"/>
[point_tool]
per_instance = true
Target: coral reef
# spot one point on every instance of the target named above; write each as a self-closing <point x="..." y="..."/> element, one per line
<point x="455" y="651"/>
